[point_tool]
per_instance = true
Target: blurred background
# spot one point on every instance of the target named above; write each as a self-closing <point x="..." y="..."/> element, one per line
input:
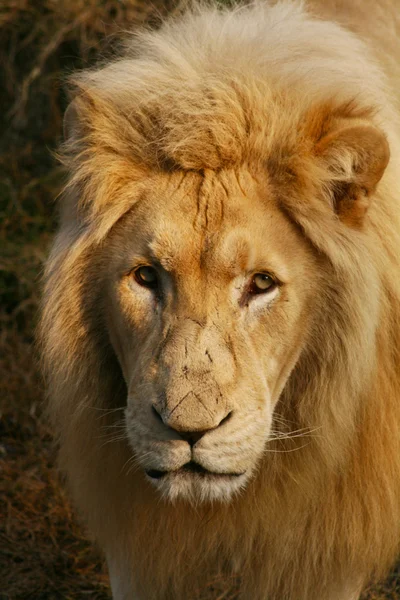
<point x="44" y="552"/>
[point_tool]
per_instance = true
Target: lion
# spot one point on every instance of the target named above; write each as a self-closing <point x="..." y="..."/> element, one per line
<point x="221" y="315"/>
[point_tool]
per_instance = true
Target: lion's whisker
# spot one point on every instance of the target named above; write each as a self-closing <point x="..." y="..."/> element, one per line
<point x="275" y="451"/>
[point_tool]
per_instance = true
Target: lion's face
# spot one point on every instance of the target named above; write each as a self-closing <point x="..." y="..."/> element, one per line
<point x="210" y="288"/>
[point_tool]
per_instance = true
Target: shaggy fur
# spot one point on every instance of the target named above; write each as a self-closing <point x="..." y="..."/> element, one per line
<point x="269" y="107"/>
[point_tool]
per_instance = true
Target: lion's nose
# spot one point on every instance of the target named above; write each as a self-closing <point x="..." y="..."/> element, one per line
<point x="190" y="436"/>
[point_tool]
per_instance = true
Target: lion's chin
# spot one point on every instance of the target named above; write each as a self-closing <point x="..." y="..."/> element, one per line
<point x="196" y="484"/>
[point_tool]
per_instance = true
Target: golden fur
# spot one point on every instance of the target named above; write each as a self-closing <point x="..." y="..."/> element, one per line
<point x="226" y="138"/>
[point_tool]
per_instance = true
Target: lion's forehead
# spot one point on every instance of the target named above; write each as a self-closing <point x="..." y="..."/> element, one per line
<point x="226" y="222"/>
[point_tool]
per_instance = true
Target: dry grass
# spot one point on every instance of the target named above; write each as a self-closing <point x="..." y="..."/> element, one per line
<point x="44" y="553"/>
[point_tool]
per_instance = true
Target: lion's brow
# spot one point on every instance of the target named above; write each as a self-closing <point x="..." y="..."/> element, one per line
<point x="228" y="256"/>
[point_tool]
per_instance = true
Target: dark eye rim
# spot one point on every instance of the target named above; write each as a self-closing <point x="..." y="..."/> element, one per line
<point x="152" y="285"/>
<point x="253" y="290"/>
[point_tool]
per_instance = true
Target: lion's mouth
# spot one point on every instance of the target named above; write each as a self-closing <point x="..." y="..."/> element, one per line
<point x="190" y="468"/>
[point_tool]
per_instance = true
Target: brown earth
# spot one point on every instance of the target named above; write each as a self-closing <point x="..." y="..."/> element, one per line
<point x="44" y="552"/>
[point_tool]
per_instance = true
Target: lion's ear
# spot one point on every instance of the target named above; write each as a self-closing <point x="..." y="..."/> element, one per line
<point x="355" y="158"/>
<point x="104" y="175"/>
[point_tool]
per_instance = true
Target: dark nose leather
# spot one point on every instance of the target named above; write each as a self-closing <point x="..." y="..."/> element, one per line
<point x="190" y="436"/>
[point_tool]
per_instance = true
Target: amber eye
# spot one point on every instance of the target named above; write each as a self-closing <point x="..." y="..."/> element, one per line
<point x="262" y="283"/>
<point x="147" y="277"/>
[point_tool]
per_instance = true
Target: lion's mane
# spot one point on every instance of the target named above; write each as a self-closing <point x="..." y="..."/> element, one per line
<point x="210" y="90"/>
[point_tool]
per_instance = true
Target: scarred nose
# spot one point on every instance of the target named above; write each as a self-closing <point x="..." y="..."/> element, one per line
<point x="189" y="433"/>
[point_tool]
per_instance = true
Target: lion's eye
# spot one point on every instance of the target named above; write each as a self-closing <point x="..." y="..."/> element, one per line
<point x="147" y="277"/>
<point x="262" y="283"/>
